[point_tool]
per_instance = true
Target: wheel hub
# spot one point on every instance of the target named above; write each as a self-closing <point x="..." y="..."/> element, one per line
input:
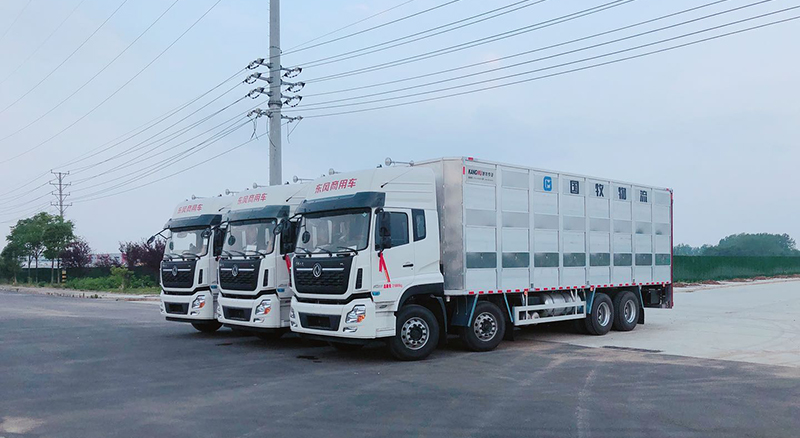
<point x="414" y="333"/>
<point x="629" y="311"/>
<point x="485" y="326"/>
<point x="603" y="314"/>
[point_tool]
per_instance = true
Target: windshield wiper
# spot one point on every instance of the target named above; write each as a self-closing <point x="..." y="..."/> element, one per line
<point x="257" y="253"/>
<point x="303" y="249"/>
<point x="233" y="252"/>
<point x="185" y="254"/>
<point x="323" y="249"/>
<point x="347" y="248"/>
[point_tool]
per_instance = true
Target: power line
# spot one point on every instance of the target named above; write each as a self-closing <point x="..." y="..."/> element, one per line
<point x="65" y="59"/>
<point x="584" y="67"/>
<point x="127" y="136"/>
<point x="15" y="20"/>
<point x="36" y="50"/>
<point x="385" y="45"/>
<point x="506" y="67"/>
<point x="503" y="58"/>
<point x="351" y="24"/>
<point x="56" y="106"/>
<point x="171" y="175"/>
<point x="149" y="152"/>
<point x="373" y="28"/>
<point x="204" y="144"/>
<point x="146" y="142"/>
<point x="27" y="151"/>
<point x="474" y="43"/>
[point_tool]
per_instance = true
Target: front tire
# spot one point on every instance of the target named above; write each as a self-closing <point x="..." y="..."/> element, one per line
<point x="601" y="319"/>
<point x="207" y="327"/>
<point x="486" y="329"/>
<point x="416" y="335"/>
<point x="626" y="311"/>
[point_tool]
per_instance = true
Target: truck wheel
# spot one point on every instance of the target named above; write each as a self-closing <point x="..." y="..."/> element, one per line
<point x="207" y="327"/>
<point x="486" y="329"/>
<point x="626" y="311"/>
<point x="602" y="316"/>
<point x="417" y="333"/>
<point x="346" y="348"/>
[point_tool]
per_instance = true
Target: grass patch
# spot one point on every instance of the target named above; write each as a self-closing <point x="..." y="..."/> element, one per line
<point x="705" y="268"/>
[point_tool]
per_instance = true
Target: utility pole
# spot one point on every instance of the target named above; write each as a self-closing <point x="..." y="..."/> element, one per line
<point x="60" y="196"/>
<point x="275" y="98"/>
<point x="59" y="193"/>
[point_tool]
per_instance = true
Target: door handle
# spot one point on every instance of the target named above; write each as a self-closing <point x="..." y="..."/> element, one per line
<point x="408" y="265"/>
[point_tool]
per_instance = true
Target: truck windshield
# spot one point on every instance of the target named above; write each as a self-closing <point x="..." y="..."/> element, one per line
<point x="250" y="238"/>
<point x="334" y="231"/>
<point x="186" y="243"/>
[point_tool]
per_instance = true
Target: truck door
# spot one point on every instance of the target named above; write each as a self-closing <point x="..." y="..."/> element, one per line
<point x="394" y="270"/>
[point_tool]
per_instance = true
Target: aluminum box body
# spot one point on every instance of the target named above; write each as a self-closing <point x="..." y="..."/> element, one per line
<point x="514" y="228"/>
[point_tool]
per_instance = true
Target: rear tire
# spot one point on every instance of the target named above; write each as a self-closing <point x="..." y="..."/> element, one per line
<point x="271" y="335"/>
<point x="207" y="327"/>
<point x="626" y="311"/>
<point x="487" y="328"/>
<point x="416" y="335"/>
<point x="601" y="319"/>
<point x="346" y="348"/>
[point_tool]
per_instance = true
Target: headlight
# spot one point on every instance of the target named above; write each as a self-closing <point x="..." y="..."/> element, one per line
<point x="358" y="314"/>
<point x="264" y="307"/>
<point x="291" y="313"/>
<point x="199" y="303"/>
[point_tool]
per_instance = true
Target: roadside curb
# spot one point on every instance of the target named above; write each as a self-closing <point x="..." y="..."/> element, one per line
<point x="80" y="294"/>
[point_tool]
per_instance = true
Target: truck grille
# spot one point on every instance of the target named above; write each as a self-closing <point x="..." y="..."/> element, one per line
<point x="177" y="308"/>
<point x="178" y="274"/>
<point x="246" y="276"/>
<point x="332" y="274"/>
<point x="320" y="322"/>
<point x="236" y="314"/>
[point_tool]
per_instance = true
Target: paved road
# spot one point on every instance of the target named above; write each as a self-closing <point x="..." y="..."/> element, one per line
<point x="750" y="322"/>
<point x="95" y="368"/>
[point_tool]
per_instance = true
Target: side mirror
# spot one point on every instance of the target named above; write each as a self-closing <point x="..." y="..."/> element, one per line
<point x="384" y="230"/>
<point x="279" y="228"/>
<point x="151" y="240"/>
<point x="288" y="236"/>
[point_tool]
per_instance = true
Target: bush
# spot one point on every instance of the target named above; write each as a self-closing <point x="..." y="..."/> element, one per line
<point x="97" y="284"/>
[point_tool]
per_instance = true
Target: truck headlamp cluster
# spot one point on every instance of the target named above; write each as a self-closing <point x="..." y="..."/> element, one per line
<point x="199" y="303"/>
<point x="358" y="314"/>
<point x="264" y="307"/>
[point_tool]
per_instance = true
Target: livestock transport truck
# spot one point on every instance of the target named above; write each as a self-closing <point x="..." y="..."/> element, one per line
<point x="254" y="266"/>
<point x="189" y="269"/>
<point x="477" y="248"/>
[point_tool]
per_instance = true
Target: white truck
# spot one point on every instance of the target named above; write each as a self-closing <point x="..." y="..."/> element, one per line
<point x="475" y="248"/>
<point x="189" y="269"/>
<point x="254" y="266"/>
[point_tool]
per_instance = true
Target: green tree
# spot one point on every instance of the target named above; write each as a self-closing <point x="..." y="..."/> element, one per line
<point x="758" y="245"/>
<point x="10" y="265"/>
<point x="58" y="234"/>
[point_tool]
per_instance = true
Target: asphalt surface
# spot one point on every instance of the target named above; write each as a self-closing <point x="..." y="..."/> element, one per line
<point x="97" y="368"/>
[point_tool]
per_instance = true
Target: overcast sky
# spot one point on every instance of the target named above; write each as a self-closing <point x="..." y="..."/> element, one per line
<point x="717" y="122"/>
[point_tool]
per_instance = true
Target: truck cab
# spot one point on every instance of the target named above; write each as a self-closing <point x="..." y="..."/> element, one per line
<point x="188" y="273"/>
<point x="255" y="255"/>
<point x="367" y="243"/>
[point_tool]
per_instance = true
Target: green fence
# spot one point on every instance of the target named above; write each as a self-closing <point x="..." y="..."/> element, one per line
<point x="689" y="268"/>
<point x="72" y="273"/>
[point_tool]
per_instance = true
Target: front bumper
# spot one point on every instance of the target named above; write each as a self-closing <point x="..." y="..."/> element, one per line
<point x="179" y="307"/>
<point x="241" y="313"/>
<point x="329" y="320"/>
